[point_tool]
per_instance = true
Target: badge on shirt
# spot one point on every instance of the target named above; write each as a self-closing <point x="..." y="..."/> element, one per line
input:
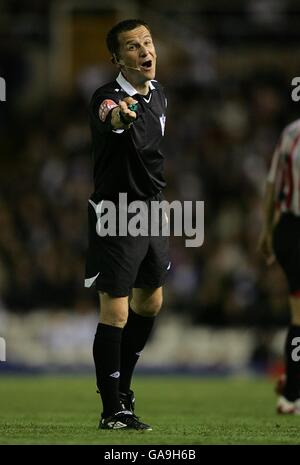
<point x="105" y="108"/>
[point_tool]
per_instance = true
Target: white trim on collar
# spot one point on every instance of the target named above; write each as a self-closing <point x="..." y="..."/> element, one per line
<point x="129" y="89"/>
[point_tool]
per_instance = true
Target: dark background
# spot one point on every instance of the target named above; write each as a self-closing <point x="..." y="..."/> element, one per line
<point x="227" y="69"/>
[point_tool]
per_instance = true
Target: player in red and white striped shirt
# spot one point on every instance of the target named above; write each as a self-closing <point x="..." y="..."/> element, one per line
<point x="280" y="239"/>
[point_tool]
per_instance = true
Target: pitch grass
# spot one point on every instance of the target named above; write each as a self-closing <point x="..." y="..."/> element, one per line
<point x="182" y="410"/>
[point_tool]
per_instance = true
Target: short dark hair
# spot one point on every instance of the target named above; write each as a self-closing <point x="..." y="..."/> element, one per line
<point x="112" y="38"/>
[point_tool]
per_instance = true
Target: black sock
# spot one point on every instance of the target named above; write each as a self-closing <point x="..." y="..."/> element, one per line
<point x="134" y="337"/>
<point x="106" y="352"/>
<point x="292" y="368"/>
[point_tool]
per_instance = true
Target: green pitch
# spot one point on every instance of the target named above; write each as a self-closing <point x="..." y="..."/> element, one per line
<point x="182" y="410"/>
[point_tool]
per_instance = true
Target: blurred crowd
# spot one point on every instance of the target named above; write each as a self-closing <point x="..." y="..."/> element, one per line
<point x="221" y="130"/>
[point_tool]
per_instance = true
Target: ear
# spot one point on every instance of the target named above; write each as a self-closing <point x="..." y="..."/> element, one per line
<point x="115" y="60"/>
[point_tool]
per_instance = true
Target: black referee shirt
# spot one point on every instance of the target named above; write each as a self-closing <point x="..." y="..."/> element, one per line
<point x="131" y="160"/>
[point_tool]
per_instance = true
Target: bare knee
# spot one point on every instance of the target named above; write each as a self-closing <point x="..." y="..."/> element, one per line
<point x="149" y="307"/>
<point x="113" y="310"/>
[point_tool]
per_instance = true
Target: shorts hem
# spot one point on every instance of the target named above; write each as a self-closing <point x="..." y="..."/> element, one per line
<point x="156" y="284"/>
<point x="113" y="291"/>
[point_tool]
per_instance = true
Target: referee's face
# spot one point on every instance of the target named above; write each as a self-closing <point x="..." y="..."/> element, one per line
<point x="137" y="51"/>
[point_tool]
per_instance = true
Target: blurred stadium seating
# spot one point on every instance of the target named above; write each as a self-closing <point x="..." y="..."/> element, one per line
<point x="227" y="73"/>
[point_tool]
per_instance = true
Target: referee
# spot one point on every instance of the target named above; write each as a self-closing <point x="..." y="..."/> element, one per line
<point x="127" y="119"/>
<point x="280" y="238"/>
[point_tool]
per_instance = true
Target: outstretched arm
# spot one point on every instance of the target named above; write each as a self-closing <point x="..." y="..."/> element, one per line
<point x="122" y="116"/>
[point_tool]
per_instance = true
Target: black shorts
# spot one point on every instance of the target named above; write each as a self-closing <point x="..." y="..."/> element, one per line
<point x="116" y="264"/>
<point x="286" y="245"/>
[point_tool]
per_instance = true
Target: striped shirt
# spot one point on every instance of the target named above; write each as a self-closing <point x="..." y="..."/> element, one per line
<point x="285" y="170"/>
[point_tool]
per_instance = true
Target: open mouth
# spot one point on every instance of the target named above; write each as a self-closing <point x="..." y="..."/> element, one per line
<point x="147" y="64"/>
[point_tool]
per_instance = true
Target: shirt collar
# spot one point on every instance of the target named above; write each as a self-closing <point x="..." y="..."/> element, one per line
<point x="129" y="89"/>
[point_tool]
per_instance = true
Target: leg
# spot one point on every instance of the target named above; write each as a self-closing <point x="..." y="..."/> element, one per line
<point x="113" y="310"/>
<point x="144" y="306"/>
<point x="106" y="350"/>
<point x="112" y="265"/>
<point x="286" y="247"/>
<point x="292" y="387"/>
<point x="147" y="302"/>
